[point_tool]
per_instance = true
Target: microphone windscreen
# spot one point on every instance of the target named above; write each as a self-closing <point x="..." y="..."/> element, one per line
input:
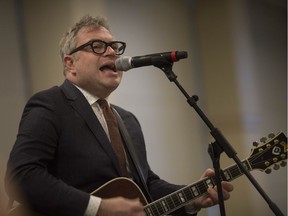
<point x="123" y="63"/>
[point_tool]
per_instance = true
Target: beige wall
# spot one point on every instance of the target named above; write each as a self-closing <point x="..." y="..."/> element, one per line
<point x="236" y="66"/>
<point x="12" y="86"/>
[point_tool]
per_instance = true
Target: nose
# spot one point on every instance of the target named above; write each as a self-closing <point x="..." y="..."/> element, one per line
<point x="109" y="51"/>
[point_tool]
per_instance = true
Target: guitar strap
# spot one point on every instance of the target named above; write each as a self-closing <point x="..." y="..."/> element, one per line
<point x="131" y="151"/>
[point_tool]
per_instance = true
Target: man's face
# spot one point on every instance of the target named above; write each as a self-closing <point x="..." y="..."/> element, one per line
<point x="90" y="71"/>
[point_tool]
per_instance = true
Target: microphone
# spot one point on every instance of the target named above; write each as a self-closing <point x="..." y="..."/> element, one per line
<point x="126" y="63"/>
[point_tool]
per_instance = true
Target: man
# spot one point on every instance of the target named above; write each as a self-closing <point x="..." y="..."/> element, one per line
<point x="63" y="150"/>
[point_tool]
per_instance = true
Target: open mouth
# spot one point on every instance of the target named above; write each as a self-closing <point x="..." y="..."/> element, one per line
<point x="108" y="66"/>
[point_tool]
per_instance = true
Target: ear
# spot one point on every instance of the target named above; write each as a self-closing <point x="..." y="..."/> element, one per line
<point x="69" y="63"/>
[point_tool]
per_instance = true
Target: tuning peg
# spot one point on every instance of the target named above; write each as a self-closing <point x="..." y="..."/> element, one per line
<point x="263" y="139"/>
<point x="283" y="163"/>
<point x="268" y="171"/>
<point x="276" y="166"/>
<point x="255" y="143"/>
<point x="271" y="135"/>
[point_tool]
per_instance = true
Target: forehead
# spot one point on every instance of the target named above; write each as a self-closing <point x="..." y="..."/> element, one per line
<point x="89" y="33"/>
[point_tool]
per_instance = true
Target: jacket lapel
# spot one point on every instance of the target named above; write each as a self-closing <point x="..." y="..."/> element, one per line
<point x="81" y="105"/>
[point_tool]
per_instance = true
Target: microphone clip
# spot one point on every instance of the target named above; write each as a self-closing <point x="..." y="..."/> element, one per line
<point x="165" y="66"/>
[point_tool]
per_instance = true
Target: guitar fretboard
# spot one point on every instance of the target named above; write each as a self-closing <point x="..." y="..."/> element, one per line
<point x="181" y="197"/>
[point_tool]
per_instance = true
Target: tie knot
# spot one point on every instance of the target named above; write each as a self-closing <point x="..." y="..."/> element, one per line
<point x="103" y="103"/>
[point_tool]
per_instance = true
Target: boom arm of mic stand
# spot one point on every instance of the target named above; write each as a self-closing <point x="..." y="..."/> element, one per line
<point x="221" y="141"/>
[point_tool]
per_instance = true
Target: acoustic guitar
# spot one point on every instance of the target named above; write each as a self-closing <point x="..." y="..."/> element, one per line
<point x="273" y="151"/>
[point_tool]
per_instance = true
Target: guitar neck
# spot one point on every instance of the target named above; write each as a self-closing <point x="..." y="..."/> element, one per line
<point x="183" y="196"/>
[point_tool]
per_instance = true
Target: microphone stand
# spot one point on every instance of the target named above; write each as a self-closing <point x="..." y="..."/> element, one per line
<point x="216" y="148"/>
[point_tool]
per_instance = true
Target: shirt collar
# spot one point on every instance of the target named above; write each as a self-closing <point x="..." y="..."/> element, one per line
<point x="92" y="99"/>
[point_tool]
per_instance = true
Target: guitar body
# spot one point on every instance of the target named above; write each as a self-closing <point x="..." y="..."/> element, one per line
<point x="121" y="186"/>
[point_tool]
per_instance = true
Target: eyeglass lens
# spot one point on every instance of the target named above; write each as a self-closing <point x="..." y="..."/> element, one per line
<point x="100" y="47"/>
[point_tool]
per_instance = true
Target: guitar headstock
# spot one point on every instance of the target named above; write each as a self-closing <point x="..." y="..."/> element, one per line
<point x="272" y="152"/>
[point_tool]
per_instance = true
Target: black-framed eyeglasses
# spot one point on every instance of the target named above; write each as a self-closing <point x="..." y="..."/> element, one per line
<point x="100" y="47"/>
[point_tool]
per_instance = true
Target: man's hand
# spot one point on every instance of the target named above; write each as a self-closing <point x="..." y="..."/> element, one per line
<point x="119" y="206"/>
<point x="211" y="198"/>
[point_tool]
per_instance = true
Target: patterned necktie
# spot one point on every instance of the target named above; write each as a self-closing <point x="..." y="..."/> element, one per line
<point x="114" y="134"/>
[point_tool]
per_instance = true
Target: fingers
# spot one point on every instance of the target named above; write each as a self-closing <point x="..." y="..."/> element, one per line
<point x="211" y="198"/>
<point x="208" y="202"/>
<point x="136" y="205"/>
<point x="208" y="173"/>
<point x="120" y="206"/>
<point x="227" y="186"/>
<point x="226" y="189"/>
